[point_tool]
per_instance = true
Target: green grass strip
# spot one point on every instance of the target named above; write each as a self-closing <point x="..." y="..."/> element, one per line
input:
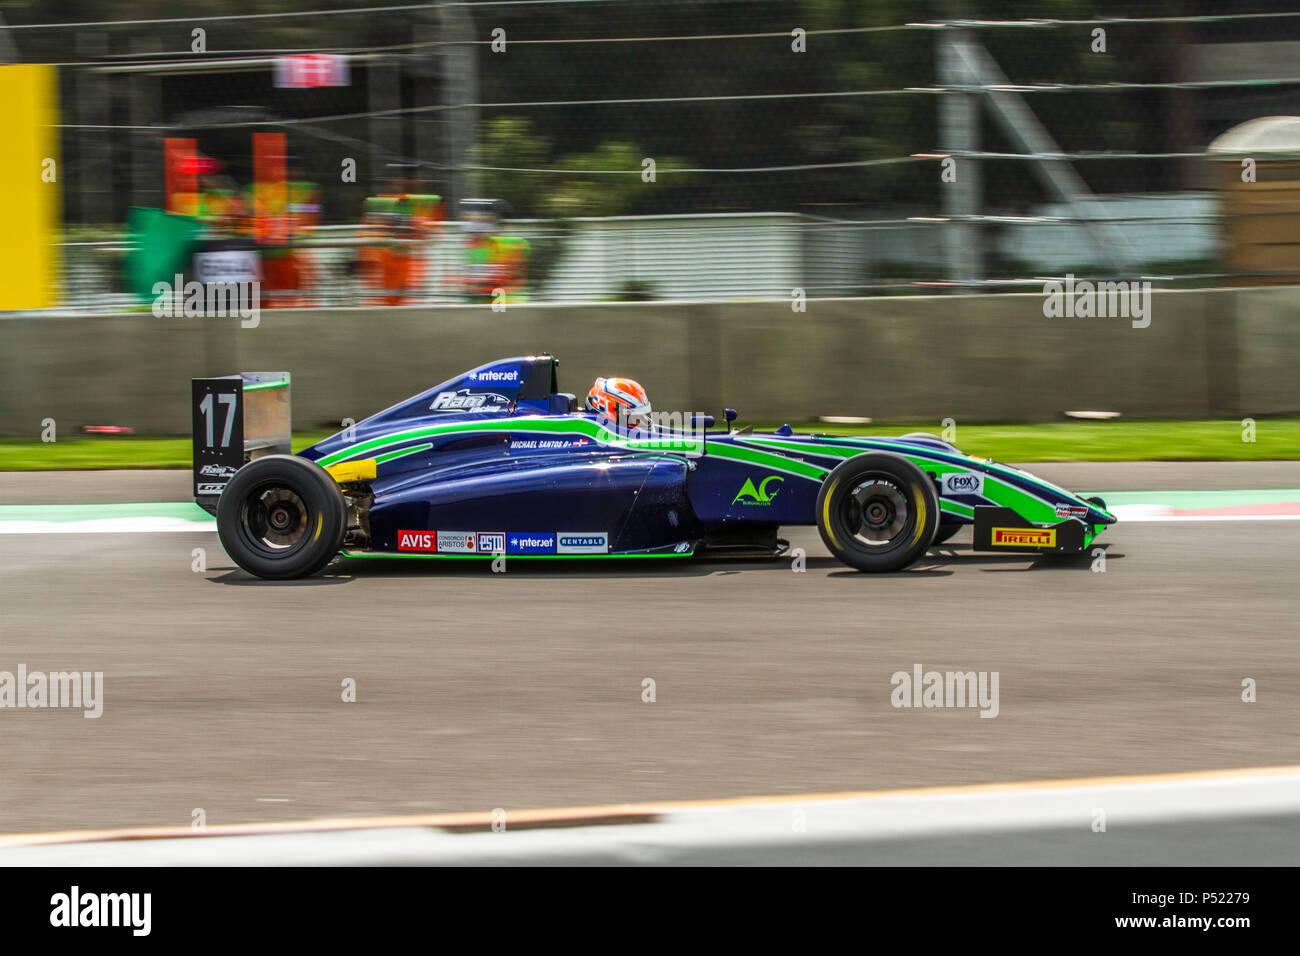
<point x="1201" y="440"/>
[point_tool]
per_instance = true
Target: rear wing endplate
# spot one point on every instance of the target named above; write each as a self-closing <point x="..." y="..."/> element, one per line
<point x="236" y="418"/>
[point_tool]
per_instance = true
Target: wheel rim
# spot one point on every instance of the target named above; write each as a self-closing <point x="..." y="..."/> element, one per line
<point x="876" y="512"/>
<point x="273" y="520"/>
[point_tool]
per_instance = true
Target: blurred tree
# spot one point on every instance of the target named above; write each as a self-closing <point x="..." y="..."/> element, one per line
<point x="510" y="144"/>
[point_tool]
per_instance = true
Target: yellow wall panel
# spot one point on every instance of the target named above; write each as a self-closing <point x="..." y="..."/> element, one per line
<point x="31" y="206"/>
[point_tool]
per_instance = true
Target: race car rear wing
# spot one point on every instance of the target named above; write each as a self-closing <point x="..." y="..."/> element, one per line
<point x="236" y="418"/>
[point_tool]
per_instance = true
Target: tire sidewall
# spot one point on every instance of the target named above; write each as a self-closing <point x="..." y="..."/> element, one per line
<point x="923" y="519"/>
<point x="326" y="516"/>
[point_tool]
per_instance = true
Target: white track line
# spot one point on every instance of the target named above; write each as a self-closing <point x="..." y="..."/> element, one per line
<point x="1140" y="513"/>
<point x="1216" y="817"/>
<point x="107" y="526"/>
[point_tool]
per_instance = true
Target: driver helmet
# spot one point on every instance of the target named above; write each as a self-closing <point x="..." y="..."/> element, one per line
<point x="619" y="399"/>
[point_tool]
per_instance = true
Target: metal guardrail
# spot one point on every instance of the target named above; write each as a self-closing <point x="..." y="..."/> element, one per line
<point x="737" y="257"/>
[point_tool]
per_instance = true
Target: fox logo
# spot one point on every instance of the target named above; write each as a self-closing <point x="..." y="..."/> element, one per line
<point x="749" y="495"/>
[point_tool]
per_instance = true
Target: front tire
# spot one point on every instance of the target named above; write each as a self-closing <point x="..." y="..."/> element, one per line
<point x="281" y="517"/>
<point x="877" y="512"/>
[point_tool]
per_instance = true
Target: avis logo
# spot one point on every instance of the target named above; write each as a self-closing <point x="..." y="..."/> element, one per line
<point x="416" y="541"/>
<point x="749" y="495"/>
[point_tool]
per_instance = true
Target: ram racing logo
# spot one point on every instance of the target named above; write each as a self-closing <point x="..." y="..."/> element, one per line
<point x="467" y="401"/>
<point x="1024" y="537"/>
<point x="761" y="495"/>
<point x="963" y="483"/>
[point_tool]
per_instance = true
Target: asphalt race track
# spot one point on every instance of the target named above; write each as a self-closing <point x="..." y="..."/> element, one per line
<point x="477" y="690"/>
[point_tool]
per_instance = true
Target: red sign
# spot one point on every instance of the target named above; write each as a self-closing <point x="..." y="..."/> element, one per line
<point x="309" y="70"/>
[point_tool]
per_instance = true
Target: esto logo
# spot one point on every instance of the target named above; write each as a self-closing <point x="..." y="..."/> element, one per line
<point x="1024" y="537"/>
<point x="764" y="494"/>
<point x="963" y="483"/>
<point x="492" y="542"/>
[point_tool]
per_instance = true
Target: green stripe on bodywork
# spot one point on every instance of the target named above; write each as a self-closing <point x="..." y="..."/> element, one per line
<point x="1029" y="506"/>
<point x="956" y="508"/>
<point x="401" y="453"/>
<point x="542" y="426"/>
<point x="762" y="459"/>
<point x="259" y="385"/>
<point x="910" y="450"/>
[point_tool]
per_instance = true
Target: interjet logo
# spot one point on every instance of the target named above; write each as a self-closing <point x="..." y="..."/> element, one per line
<point x="497" y="376"/>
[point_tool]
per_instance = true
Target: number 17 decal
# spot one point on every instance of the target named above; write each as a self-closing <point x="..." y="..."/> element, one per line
<point x="229" y="400"/>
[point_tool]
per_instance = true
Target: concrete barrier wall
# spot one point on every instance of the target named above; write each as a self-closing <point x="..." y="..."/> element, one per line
<point x="1219" y="353"/>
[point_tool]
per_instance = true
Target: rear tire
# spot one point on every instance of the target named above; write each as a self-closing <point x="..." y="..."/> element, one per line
<point x="877" y="512"/>
<point x="281" y="517"/>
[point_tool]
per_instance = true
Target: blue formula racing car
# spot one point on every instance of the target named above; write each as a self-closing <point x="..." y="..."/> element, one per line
<point x="497" y="461"/>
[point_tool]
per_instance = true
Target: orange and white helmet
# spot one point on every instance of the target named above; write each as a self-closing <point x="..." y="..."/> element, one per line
<point x="619" y="398"/>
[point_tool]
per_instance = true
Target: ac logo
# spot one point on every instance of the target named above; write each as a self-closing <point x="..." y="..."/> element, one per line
<point x="749" y="495"/>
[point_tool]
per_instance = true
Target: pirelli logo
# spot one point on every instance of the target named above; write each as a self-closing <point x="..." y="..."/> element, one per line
<point x="1024" y="537"/>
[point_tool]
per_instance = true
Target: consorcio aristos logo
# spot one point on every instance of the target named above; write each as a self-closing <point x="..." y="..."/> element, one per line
<point x="763" y="494"/>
